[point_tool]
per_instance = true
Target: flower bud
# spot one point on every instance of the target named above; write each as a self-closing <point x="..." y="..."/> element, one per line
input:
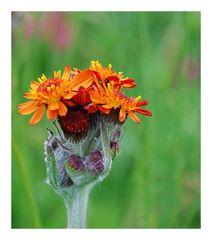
<point x="72" y="162"/>
<point x="76" y="162"/>
<point x="95" y="163"/>
<point x="55" y="155"/>
<point x="115" y="146"/>
<point x="91" y="108"/>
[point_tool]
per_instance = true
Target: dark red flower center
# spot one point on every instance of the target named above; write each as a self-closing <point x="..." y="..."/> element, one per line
<point x="75" y="121"/>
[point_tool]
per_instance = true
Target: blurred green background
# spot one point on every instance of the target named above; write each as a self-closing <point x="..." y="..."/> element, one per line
<point x="155" y="181"/>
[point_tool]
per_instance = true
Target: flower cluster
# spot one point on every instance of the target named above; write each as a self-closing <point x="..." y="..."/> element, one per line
<point x="72" y="97"/>
<point x="90" y="107"/>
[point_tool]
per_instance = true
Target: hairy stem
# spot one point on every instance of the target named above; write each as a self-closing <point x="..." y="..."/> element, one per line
<point x="77" y="206"/>
<point x="106" y="148"/>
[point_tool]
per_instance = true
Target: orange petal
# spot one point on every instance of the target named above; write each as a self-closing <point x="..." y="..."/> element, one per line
<point x="122" y="115"/>
<point x="96" y="98"/>
<point x="129" y="85"/>
<point x="53" y="106"/>
<point x="51" y="114"/>
<point x="86" y="84"/>
<point x="99" y="86"/>
<point x="25" y="104"/>
<point x="66" y="74"/>
<point x="108" y="106"/>
<point x="26" y="108"/>
<point x="62" y="109"/>
<point x="37" y="115"/>
<point x="69" y="95"/>
<point x="134" y="117"/>
<point x="26" y="111"/>
<point x="84" y="78"/>
<point x="29" y="95"/>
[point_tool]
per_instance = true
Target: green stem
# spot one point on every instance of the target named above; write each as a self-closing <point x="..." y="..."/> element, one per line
<point x="77" y="206"/>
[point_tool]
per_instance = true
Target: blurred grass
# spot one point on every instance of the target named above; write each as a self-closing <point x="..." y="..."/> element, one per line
<point x="155" y="181"/>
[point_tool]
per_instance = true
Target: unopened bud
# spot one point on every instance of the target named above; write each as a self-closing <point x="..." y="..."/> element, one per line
<point x="76" y="163"/>
<point x="115" y="146"/>
<point x="95" y="163"/>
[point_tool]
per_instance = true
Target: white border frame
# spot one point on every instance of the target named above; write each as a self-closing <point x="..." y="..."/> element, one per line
<point x="5" y="119"/>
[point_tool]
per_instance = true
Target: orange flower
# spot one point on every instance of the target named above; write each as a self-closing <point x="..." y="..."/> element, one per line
<point x="105" y="75"/>
<point x="87" y="91"/>
<point x="52" y="93"/>
<point x="110" y="98"/>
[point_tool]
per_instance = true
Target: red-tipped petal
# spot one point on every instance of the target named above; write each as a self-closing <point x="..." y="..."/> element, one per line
<point x="97" y="75"/>
<point x="127" y="80"/>
<point x="142" y="103"/>
<point x="82" y="98"/>
<point x="143" y="111"/>
<point x="128" y="83"/>
<point x="113" y="78"/>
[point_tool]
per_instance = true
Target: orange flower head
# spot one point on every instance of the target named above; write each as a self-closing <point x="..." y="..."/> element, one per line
<point x="90" y="90"/>
<point x="107" y="74"/>
<point x="115" y="99"/>
<point x="54" y="94"/>
<point x="47" y="92"/>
